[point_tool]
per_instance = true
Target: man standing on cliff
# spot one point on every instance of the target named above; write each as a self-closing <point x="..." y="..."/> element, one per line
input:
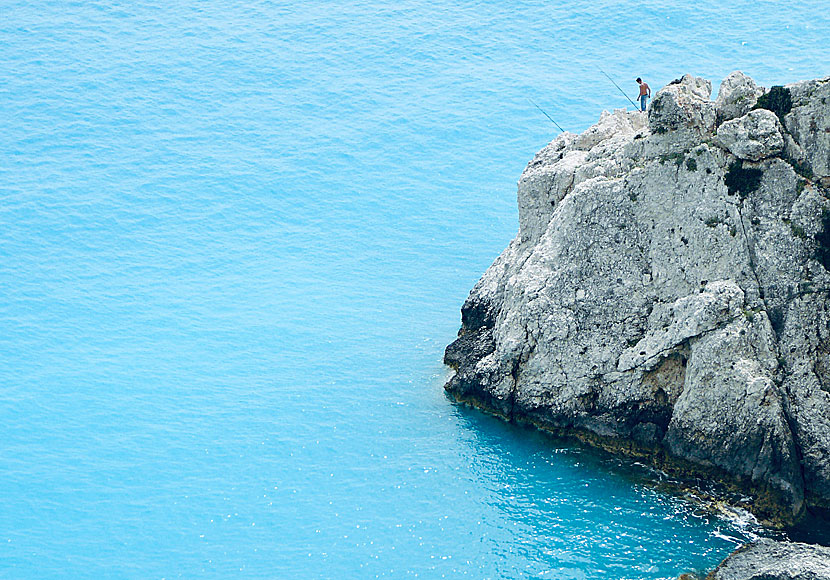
<point x="645" y="93"/>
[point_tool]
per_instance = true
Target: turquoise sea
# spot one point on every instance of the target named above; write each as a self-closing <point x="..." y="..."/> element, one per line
<point x="234" y="241"/>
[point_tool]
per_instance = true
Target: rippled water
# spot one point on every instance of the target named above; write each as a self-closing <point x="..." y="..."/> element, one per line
<point x="234" y="239"/>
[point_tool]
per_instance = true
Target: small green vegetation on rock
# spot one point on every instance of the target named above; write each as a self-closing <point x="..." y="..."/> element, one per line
<point x="777" y="100"/>
<point x="797" y="230"/>
<point x="676" y="157"/>
<point x="741" y="180"/>
<point x="691" y="164"/>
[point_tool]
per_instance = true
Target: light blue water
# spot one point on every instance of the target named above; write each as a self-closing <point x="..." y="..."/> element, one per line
<point x="234" y="240"/>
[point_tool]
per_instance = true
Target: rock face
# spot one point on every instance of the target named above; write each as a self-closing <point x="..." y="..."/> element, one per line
<point x="737" y="95"/>
<point x="769" y="560"/>
<point x="668" y="292"/>
<point x="756" y="135"/>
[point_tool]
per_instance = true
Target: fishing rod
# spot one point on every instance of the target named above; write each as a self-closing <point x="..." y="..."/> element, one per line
<point x="618" y="86"/>
<point x="545" y="114"/>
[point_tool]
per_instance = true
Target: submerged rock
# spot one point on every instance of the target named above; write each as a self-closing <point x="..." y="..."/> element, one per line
<point x="770" y="560"/>
<point x="666" y="295"/>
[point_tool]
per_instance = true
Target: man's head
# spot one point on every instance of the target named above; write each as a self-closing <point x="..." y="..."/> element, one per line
<point x="639" y="80"/>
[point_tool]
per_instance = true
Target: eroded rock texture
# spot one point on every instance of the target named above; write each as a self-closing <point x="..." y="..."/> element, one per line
<point x="769" y="560"/>
<point x="667" y="292"/>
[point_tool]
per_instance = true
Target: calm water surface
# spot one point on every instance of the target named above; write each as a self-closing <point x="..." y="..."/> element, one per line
<point x="234" y="239"/>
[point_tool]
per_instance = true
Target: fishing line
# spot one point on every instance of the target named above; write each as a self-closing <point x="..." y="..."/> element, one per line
<point x="545" y="114"/>
<point x="618" y="86"/>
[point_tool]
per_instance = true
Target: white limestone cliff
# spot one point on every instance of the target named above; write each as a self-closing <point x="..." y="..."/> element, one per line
<point x="668" y="292"/>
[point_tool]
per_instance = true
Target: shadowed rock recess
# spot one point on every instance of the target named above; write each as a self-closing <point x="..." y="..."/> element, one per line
<point x="668" y="294"/>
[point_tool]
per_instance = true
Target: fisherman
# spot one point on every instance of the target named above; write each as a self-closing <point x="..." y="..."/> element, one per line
<point x="645" y="93"/>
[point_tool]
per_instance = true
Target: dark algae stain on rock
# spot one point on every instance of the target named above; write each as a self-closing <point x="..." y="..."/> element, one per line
<point x="742" y="181"/>
<point x="691" y="164"/>
<point x="642" y="309"/>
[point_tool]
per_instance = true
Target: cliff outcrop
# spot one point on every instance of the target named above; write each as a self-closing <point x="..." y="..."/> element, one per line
<point x="668" y="292"/>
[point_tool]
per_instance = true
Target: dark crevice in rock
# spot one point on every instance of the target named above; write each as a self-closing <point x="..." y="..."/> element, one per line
<point x="514" y="374"/>
<point x="777" y="100"/>
<point x="666" y="381"/>
<point x="752" y="259"/>
<point x="776" y="319"/>
<point x="823" y="241"/>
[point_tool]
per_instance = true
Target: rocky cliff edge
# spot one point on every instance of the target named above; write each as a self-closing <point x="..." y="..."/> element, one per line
<point x="668" y="292"/>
